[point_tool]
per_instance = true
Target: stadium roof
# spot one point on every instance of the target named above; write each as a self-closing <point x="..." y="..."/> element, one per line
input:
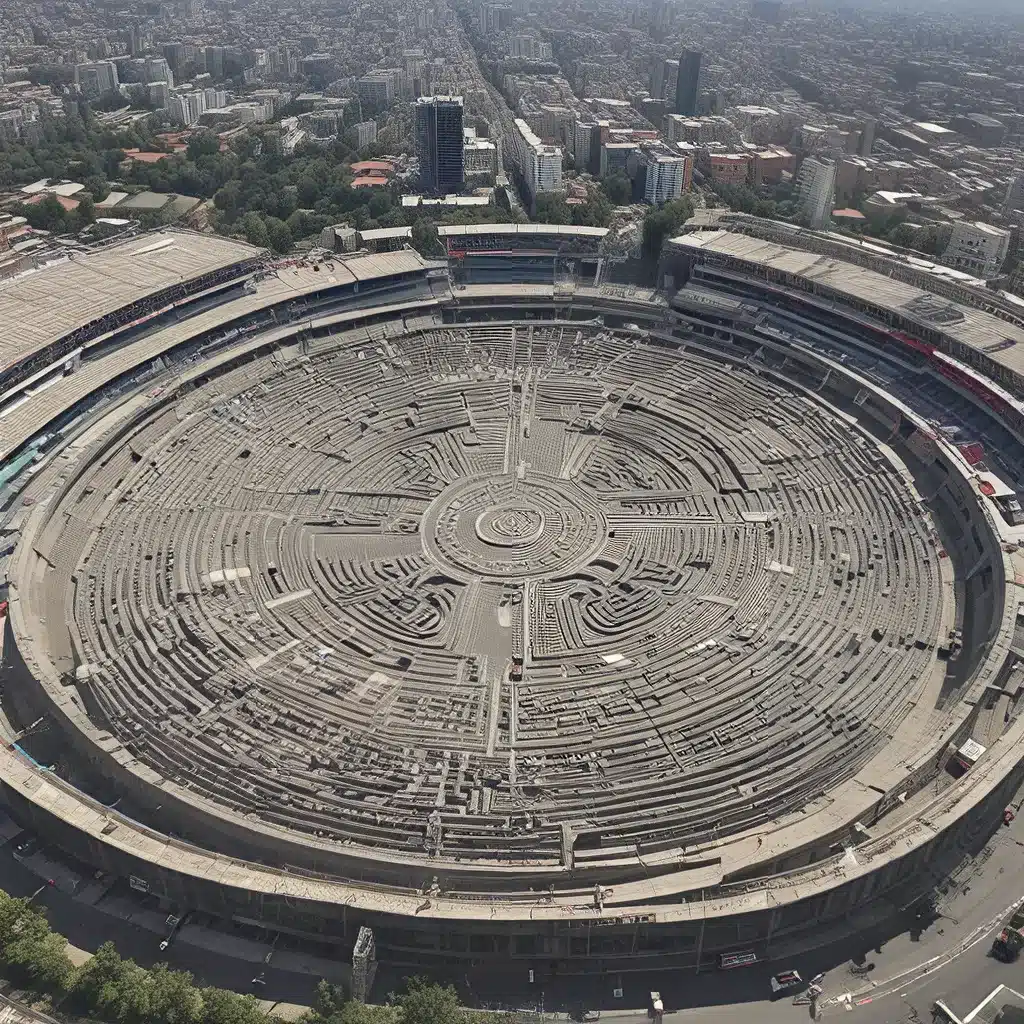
<point x="997" y="339"/>
<point x="40" y="307"/>
<point x="569" y="230"/>
<point x="20" y="422"/>
<point x="379" y="234"/>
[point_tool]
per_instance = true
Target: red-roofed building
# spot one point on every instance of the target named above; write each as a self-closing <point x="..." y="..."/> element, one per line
<point x="65" y="202"/>
<point x="849" y="214"/>
<point x="369" y="181"/>
<point x="139" y="157"/>
<point x="178" y="141"/>
<point x="374" y="167"/>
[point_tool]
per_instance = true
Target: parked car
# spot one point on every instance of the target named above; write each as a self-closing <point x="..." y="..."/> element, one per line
<point x="787" y="983"/>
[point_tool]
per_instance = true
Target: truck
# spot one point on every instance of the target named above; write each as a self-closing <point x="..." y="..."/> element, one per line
<point x="1009" y="942"/>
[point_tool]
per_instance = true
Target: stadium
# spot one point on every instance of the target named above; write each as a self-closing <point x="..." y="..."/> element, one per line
<point x="519" y="615"/>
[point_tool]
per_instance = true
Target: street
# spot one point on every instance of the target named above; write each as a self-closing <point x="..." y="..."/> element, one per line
<point x="912" y="965"/>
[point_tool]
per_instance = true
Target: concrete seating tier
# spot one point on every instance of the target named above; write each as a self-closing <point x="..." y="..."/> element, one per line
<point x="452" y="588"/>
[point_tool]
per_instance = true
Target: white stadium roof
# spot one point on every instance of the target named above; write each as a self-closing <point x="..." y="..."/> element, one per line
<point x="568" y="230"/>
<point x="999" y="340"/>
<point x="40" y="307"/>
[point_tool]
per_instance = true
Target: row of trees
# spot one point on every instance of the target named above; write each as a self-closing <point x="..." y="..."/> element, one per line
<point x="930" y="239"/>
<point x="422" y="1002"/>
<point x="777" y="203"/>
<point x="661" y="223"/>
<point x="118" y="991"/>
<point x="596" y="211"/>
<point x="108" y="987"/>
<point x="258" y="192"/>
<point x="49" y="215"/>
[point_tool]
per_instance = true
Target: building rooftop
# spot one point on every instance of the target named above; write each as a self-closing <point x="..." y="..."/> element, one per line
<point x="929" y="128"/>
<point x="999" y="340"/>
<point x="145" y="201"/>
<point x="65" y="202"/>
<point x="379" y="234"/>
<point x="569" y="230"/>
<point x="438" y="99"/>
<point x="38" y="308"/>
<point x="369" y="166"/>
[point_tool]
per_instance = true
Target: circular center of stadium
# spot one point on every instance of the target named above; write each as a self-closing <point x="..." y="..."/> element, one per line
<point x="514" y="593"/>
<point x="504" y="527"/>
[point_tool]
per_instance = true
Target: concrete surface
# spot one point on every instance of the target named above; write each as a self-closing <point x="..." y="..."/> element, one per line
<point x="914" y="966"/>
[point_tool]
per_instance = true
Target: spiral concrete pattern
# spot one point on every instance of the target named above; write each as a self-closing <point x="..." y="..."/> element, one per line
<point x="497" y="594"/>
<point x="511" y="528"/>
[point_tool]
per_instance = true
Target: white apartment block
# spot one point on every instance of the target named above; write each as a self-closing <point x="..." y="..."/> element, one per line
<point x="816" y="186"/>
<point x="539" y="165"/>
<point x="664" y="179"/>
<point x="366" y="132"/>
<point x="186" y="107"/>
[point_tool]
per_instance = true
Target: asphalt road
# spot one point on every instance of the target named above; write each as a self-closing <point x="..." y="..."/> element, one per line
<point x="88" y="928"/>
<point x="962" y="985"/>
<point x="729" y="997"/>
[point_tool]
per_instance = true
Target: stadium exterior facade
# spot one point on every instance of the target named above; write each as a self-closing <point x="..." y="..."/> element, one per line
<point x="896" y="821"/>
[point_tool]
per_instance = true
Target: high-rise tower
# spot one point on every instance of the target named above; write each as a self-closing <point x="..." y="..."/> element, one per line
<point x="688" y="82"/>
<point x="439" y="143"/>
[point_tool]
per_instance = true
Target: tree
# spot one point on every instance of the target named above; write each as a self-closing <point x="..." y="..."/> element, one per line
<point x="46" y="215"/>
<point x="255" y="230"/>
<point x="424" y="1002"/>
<point x="29" y="949"/>
<point x="109" y="101"/>
<point x="660" y="224"/>
<point x="278" y="235"/>
<point x="100" y="979"/>
<point x="12" y="910"/>
<point x="37" y="954"/>
<point x="202" y="144"/>
<point x="552" y="209"/>
<point x="618" y="188"/>
<point x="328" y="1001"/>
<point x="902" y="235"/>
<point x="96" y="185"/>
<point x="425" y="239"/>
<point x="679" y="211"/>
<point x="173" y="999"/>
<point x="86" y="209"/>
<point x="332" y="1006"/>
<point x="223" y="1007"/>
<point x="595" y="212"/>
<point x="933" y="238"/>
<point x="308" y="190"/>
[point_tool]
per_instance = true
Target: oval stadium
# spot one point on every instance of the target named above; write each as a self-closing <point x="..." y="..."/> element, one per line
<point x="514" y="612"/>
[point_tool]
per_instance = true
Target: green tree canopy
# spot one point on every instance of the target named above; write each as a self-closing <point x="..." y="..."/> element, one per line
<point x="424" y="1002"/>
<point x="278" y="234"/>
<point x="618" y="188"/>
<point x="661" y="224"/>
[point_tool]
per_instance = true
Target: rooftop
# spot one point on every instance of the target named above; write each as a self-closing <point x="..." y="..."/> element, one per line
<point x="933" y="129"/>
<point x="569" y="230"/>
<point x="996" y="338"/>
<point x="38" y="308"/>
<point x="367" y="166"/>
<point x="378" y="234"/>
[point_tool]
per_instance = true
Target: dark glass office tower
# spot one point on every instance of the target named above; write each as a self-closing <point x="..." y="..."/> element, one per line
<point x="439" y="143"/>
<point x="688" y="83"/>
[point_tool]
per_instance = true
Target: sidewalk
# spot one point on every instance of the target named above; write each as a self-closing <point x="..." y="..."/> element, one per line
<point x="973" y="900"/>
